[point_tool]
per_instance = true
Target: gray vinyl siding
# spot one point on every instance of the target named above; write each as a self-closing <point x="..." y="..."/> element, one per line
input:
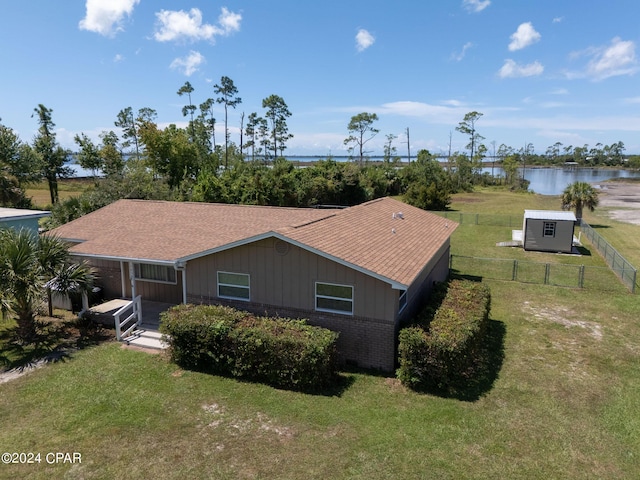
<point x="109" y="277"/>
<point x="437" y="270"/>
<point x="288" y="279"/>
<point x="534" y="238"/>
<point x="155" y="291"/>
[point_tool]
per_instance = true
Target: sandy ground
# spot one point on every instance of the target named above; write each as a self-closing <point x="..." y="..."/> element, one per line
<point x="623" y="198"/>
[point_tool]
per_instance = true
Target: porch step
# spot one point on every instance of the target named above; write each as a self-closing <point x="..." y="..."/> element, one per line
<point x="146" y="339"/>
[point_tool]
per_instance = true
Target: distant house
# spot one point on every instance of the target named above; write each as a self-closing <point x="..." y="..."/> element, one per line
<point x="548" y="231"/>
<point x="359" y="270"/>
<point x="19" y="218"/>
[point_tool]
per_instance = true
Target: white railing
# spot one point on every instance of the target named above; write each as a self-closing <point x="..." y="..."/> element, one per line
<point x="135" y="306"/>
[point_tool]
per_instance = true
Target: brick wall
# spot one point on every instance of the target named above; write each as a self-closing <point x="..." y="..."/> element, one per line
<point x="364" y="342"/>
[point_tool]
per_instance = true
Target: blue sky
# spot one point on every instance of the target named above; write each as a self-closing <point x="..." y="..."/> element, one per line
<point x="540" y="71"/>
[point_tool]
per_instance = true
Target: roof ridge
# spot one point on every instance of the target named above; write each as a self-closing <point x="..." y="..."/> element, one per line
<point x="316" y="220"/>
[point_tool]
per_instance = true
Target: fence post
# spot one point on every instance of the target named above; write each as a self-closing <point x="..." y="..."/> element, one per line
<point x="633" y="285"/>
<point x="477" y="218"/>
<point x="514" y="273"/>
<point x="581" y="276"/>
<point x="546" y="274"/>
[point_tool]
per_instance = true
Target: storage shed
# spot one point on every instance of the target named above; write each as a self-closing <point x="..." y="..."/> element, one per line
<point x="548" y="231"/>
<point x="21" y="218"/>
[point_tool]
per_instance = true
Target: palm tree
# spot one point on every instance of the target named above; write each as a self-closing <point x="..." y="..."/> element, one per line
<point x="28" y="267"/>
<point x="20" y="279"/>
<point x="579" y="195"/>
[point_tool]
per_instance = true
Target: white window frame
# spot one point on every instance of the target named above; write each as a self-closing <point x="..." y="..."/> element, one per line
<point x="549" y="229"/>
<point x="329" y="297"/>
<point x="170" y="272"/>
<point x="402" y="301"/>
<point x="244" y="287"/>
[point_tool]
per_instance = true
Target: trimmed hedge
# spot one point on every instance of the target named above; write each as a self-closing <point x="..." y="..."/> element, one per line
<point x="443" y="354"/>
<point x="277" y="351"/>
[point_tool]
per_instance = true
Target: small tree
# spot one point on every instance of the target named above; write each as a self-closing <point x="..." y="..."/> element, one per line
<point x="28" y="264"/>
<point x="359" y="126"/>
<point x="277" y="114"/>
<point x="579" y="195"/>
<point x="468" y="127"/>
<point x="227" y="92"/>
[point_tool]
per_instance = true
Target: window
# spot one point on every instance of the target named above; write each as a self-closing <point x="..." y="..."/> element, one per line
<point x="334" y="298"/>
<point x="234" y="286"/>
<point x="402" y="300"/>
<point x="549" y="229"/>
<point x="155" y="273"/>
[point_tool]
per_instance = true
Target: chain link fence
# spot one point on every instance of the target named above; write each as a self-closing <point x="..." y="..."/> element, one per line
<point x="493" y="220"/>
<point x="626" y="272"/>
<point x="558" y="274"/>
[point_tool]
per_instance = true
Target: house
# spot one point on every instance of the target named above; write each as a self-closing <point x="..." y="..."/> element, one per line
<point x="359" y="270"/>
<point x="21" y="218"/>
<point x="548" y="231"/>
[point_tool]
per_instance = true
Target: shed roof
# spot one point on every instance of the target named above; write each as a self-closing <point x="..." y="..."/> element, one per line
<point x="21" y="213"/>
<point x="384" y="237"/>
<point x="549" y="215"/>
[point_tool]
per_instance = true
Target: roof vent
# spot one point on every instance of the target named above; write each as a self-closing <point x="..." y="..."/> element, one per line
<point x="281" y="247"/>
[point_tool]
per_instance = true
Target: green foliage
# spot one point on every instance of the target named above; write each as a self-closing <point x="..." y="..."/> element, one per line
<point x="579" y="195"/>
<point x="280" y="352"/>
<point x="428" y="185"/>
<point x="30" y="267"/>
<point x="361" y="125"/>
<point x="443" y="355"/>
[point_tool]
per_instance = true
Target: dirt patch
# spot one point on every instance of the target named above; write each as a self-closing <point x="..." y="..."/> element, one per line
<point x="254" y="426"/>
<point x="563" y="316"/>
<point x="468" y="200"/>
<point x="623" y="198"/>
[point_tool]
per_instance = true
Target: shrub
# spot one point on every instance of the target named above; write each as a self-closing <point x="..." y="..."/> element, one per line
<point x="277" y="351"/>
<point x="443" y="354"/>
<point x="198" y="335"/>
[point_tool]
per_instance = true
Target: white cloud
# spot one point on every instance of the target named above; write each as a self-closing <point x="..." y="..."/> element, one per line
<point x="524" y="36"/>
<point x="632" y="100"/>
<point x="459" y="56"/>
<point x="475" y="6"/>
<point x="364" y="40"/>
<point x="619" y="58"/>
<point x="188" y="64"/>
<point x="557" y="19"/>
<point x="511" y="69"/>
<point x="180" y="25"/>
<point x="118" y="58"/>
<point x="105" y="16"/>
<point x="559" y="91"/>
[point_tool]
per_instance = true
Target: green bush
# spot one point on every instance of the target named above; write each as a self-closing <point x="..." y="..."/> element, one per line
<point x="277" y="351"/>
<point x="443" y="354"/>
<point x="198" y="335"/>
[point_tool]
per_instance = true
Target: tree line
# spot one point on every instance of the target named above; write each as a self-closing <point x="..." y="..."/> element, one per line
<point x="174" y="163"/>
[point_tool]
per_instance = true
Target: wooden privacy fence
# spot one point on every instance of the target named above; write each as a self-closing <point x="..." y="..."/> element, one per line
<point x="626" y="272"/>
<point x="559" y="274"/>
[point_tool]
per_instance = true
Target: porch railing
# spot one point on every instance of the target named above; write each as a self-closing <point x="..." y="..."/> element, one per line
<point x="127" y="322"/>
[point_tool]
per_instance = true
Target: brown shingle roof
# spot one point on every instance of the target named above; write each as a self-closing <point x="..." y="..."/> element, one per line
<point x="366" y="236"/>
<point x="386" y="237"/>
<point x="168" y="231"/>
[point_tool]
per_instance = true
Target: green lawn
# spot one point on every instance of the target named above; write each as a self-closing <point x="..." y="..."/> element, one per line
<point x="564" y="405"/>
<point x="67" y="188"/>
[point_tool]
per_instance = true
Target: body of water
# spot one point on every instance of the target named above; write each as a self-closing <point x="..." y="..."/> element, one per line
<point x="544" y="180"/>
<point x="553" y="180"/>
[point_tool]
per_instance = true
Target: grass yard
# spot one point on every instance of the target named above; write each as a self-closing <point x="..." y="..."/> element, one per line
<point x="564" y="405"/>
<point x="72" y="187"/>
